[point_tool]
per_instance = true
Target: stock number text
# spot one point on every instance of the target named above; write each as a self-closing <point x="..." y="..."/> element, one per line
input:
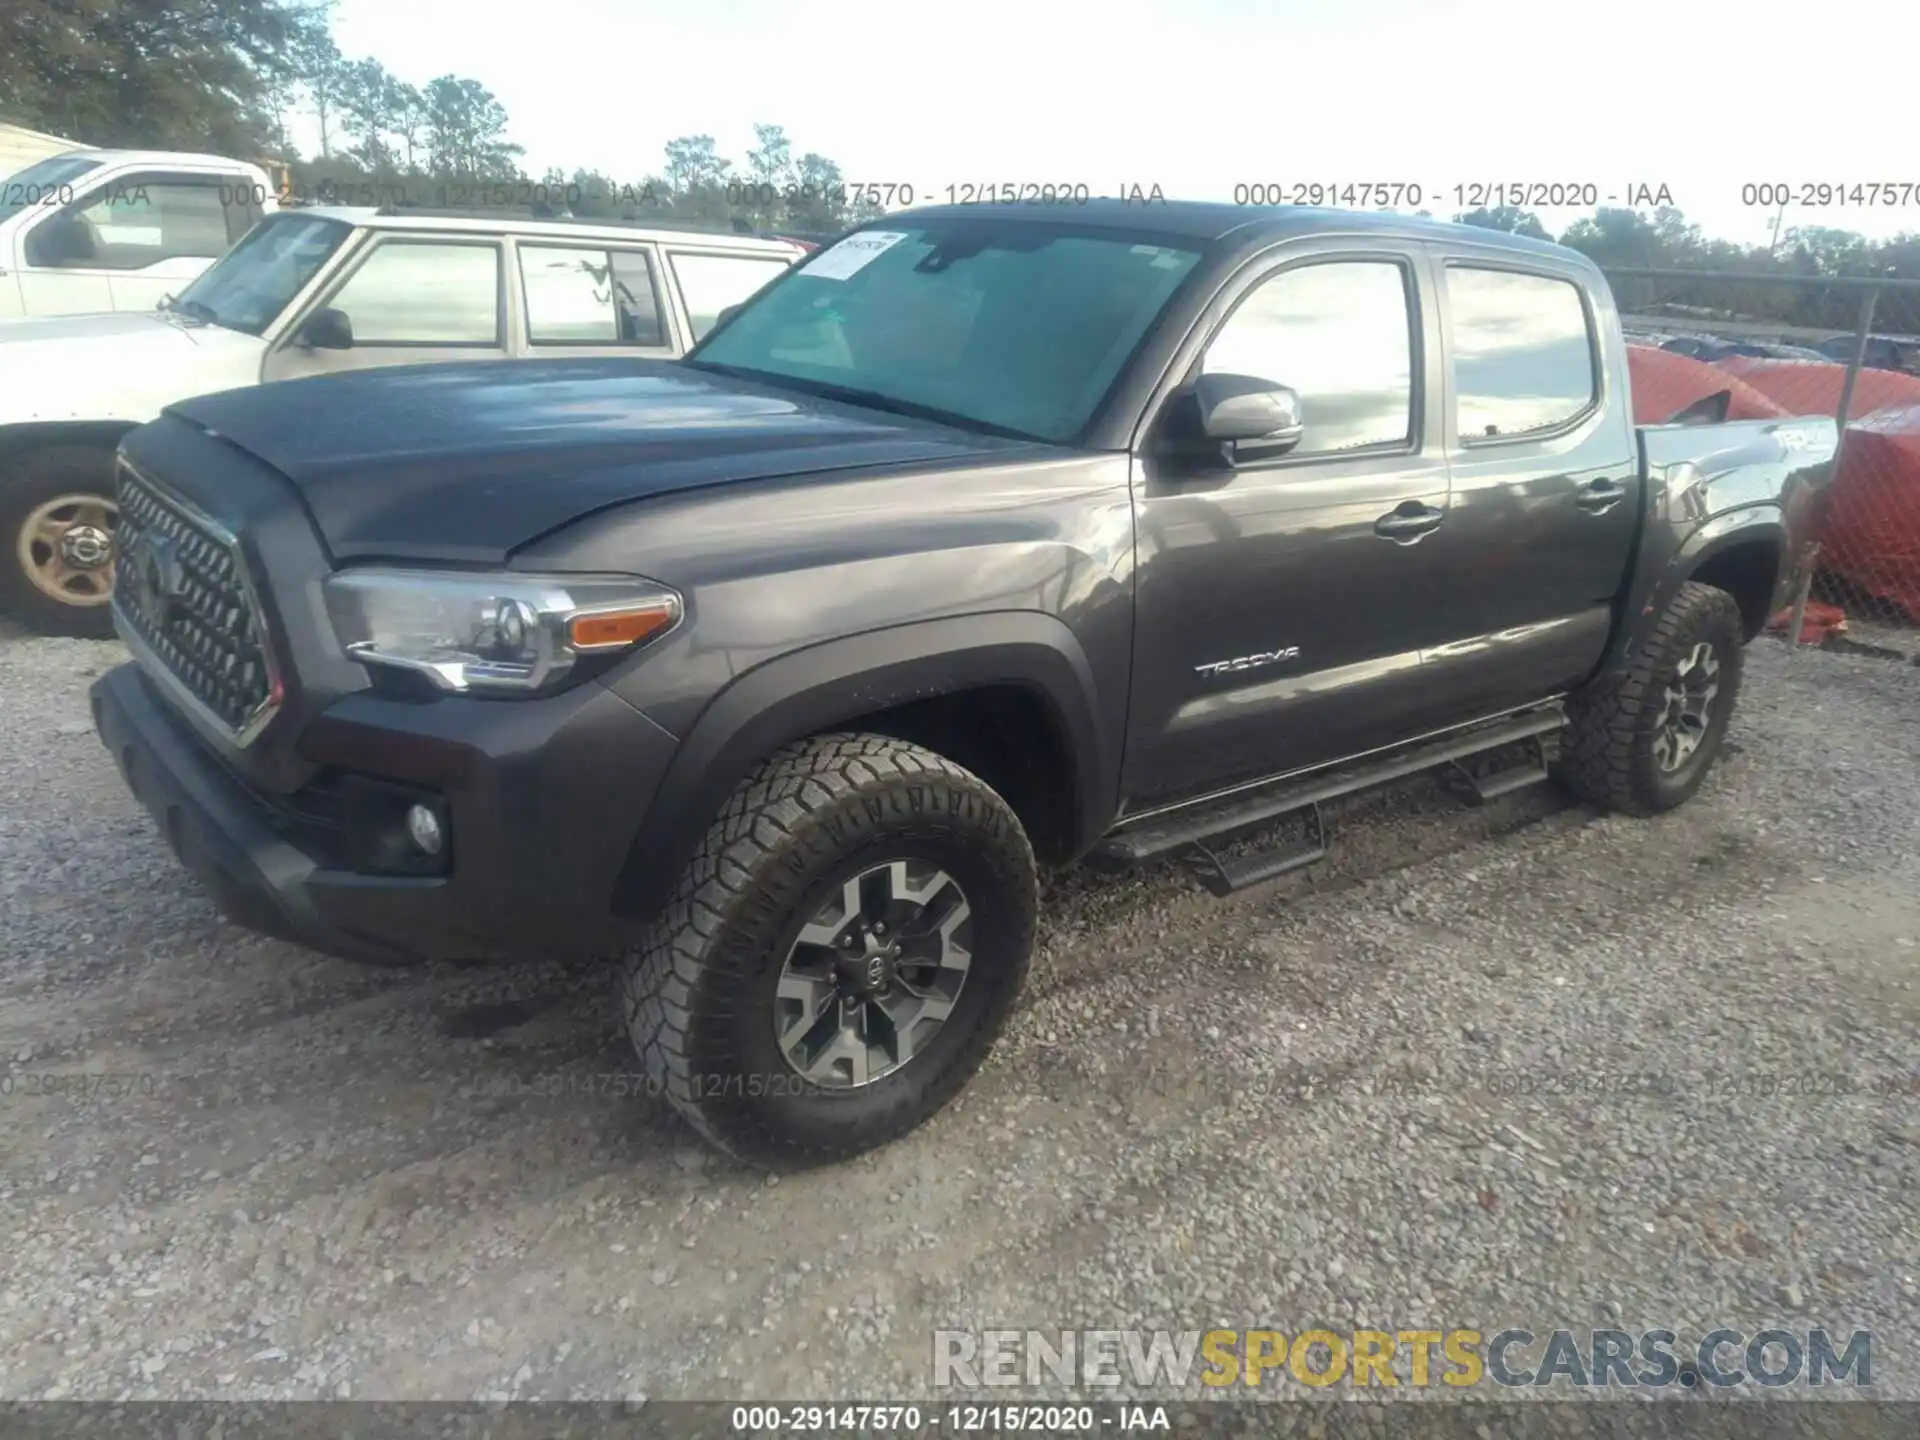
<point x="1347" y="195"/>
<point x="1887" y="193"/>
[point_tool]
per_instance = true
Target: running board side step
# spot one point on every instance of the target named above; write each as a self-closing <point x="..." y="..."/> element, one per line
<point x="1537" y="770"/>
<point x="1223" y="875"/>
<point x="1194" y="831"/>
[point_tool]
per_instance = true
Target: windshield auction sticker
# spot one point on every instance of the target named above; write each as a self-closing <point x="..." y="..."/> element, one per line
<point x="854" y="254"/>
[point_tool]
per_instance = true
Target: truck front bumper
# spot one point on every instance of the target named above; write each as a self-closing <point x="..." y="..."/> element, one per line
<point x="540" y="798"/>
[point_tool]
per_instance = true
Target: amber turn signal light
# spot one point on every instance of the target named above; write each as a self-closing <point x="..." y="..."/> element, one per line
<point x="611" y="629"/>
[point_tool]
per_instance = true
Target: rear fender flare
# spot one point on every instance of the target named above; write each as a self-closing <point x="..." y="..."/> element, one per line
<point x="817" y="688"/>
<point x="1745" y="526"/>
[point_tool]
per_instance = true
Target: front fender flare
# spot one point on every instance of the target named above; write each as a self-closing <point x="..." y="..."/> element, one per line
<point x="815" y="689"/>
<point x="20" y="436"/>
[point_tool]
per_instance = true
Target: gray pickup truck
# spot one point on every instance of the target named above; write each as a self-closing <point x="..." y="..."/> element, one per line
<point x="988" y="538"/>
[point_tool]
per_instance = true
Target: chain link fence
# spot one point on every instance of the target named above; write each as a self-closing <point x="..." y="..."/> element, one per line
<point x="1778" y="345"/>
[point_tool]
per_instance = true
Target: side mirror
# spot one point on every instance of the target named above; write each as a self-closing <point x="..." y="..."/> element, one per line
<point x="1237" y="409"/>
<point x="1707" y="410"/>
<point x="727" y="312"/>
<point x="327" y="329"/>
<point x="63" y="240"/>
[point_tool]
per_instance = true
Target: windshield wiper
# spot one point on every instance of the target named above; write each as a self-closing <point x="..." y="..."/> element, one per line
<point x="192" y="309"/>
<point x="869" y="400"/>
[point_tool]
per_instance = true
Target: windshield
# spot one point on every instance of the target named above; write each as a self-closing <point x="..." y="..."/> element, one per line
<point x="1006" y="326"/>
<point x="253" y="282"/>
<point x="45" y="182"/>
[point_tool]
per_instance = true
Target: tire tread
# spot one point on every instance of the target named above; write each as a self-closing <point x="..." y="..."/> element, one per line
<point x="1600" y="760"/>
<point x="784" y="808"/>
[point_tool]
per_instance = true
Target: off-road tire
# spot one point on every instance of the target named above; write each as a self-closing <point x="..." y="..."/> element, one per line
<point x="1608" y="757"/>
<point x="28" y="481"/>
<point x="698" y="989"/>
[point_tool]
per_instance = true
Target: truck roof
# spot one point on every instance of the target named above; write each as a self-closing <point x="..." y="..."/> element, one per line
<point x="1210" y="220"/>
<point x="486" y="222"/>
<point x="158" y="157"/>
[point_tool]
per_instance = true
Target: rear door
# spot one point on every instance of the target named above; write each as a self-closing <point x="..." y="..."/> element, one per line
<point x="1545" y="481"/>
<point x="197" y="221"/>
<point x="411" y="300"/>
<point x="1280" y="609"/>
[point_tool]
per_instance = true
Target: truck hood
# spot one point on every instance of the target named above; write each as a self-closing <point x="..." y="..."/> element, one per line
<point x="122" y="366"/>
<point x="464" y="463"/>
<point x="121" y="332"/>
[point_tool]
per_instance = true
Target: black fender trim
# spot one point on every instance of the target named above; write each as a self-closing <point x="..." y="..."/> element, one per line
<point x="817" y="688"/>
<point x="22" y="439"/>
<point x="1756" y="524"/>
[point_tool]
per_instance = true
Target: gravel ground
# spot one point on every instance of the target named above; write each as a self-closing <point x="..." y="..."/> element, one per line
<point x="318" y="1180"/>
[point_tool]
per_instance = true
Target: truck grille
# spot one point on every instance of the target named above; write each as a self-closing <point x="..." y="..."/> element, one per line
<point x="181" y="587"/>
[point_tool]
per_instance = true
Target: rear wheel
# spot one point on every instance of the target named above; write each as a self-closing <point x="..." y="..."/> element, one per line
<point x="1644" y="742"/>
<point x="840" y="954"/>
<point x="57" y="521"/>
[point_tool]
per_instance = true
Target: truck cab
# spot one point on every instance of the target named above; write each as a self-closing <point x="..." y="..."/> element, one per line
<point x="100" y="230"/>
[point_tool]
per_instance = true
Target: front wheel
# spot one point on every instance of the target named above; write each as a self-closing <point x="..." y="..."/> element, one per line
<point x="840" y="954"/>
<point x="1643" y="742"/>
<point x="57" y="519"/>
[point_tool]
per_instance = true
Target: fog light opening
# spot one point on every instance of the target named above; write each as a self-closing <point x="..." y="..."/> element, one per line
<point x="425" y="830"/>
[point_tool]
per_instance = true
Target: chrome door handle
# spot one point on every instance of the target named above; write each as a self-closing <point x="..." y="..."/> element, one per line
<point x="1408" y="522"/>
<point x="1599" y="496"/>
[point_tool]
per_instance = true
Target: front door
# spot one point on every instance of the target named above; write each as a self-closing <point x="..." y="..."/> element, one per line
<point x="54" y="269"/>
<point x="10" y="302"/>
<point x="410" y="300"/>
<point x="1282" y="603"/>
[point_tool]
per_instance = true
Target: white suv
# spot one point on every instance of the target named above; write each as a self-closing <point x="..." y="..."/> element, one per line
<point x="307" y="292"/>
<point x="95" y="230"/>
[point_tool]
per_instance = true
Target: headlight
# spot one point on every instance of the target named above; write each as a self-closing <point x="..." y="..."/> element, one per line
<point x="497" y="632"/>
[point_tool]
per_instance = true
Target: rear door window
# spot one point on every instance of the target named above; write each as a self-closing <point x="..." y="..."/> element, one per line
<point x="1523" y="353"/>
<point x="577" y="295"/>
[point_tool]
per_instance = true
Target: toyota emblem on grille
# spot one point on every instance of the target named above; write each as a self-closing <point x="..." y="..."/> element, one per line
<point x="157" y="575"/>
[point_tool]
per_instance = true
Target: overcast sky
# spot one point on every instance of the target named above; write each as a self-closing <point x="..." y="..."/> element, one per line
<point x="1199" y="96"/>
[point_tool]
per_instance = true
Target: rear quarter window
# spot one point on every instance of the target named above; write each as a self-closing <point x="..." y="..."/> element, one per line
<point x="710" y="283"/>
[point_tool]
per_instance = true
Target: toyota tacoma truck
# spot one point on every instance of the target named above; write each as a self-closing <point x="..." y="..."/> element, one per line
<point x="984" y="540"/>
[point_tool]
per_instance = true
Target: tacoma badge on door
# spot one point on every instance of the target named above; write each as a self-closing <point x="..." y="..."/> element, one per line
<point x="1250" y="662"/>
